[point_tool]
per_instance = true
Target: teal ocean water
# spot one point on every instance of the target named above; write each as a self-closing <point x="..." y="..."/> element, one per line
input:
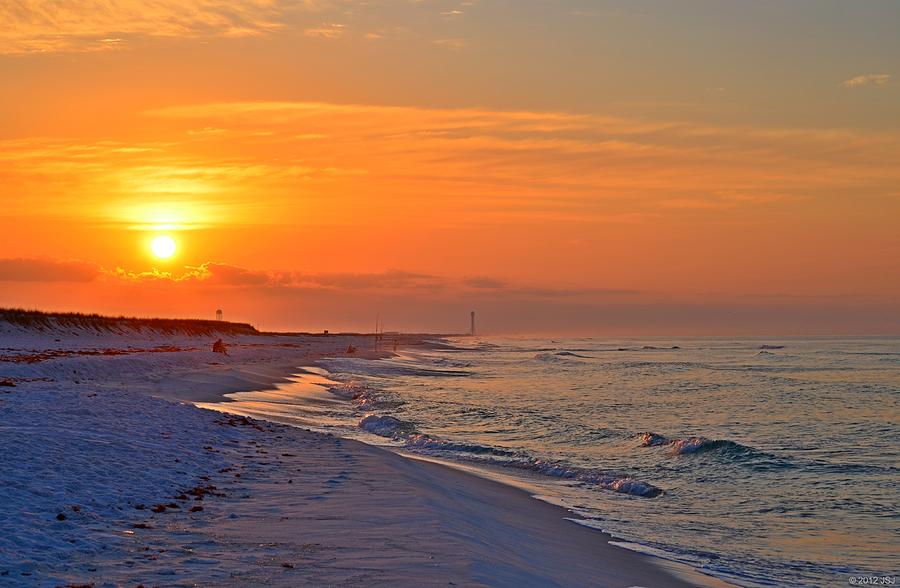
<point x="762" y="462"/>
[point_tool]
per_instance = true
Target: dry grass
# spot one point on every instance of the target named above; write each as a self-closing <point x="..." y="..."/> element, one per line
<point x="40" y="321"/>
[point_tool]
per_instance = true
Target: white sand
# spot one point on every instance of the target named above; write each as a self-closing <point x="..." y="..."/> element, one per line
<point x="90" y="437"/>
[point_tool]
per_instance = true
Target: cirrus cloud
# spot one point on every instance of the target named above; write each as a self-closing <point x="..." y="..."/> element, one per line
<point x="354" y="163"/>
<point x="867" y="80"/>
<point x="39" y="26"/>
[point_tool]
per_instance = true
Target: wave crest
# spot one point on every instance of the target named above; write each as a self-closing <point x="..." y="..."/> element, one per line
<point x="605" y="480"/>
<point x="689" y="445"/>
<point x="363" y="397"/>
<point x="406" y="433"/>
<point x="694" y="445"/>
<point x="384" y="426"/>
<point x="652" y="440"/>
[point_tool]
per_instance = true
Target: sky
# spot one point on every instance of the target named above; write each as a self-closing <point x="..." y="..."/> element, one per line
<point x="591" y="167"/>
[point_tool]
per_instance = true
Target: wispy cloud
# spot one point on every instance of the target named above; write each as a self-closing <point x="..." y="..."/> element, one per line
<point x="867" y="80"/>
<point x="49" y="26"/>
<point x="562" y="163"/>
<point x="352" y="163"/>
<point x="326" y="31"/>
<point x="451" y="43"/>
<point x="149" y="184"/>
<point x="89" y="25"/>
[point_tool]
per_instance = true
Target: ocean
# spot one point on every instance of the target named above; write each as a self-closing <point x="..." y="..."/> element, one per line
<point x="760" y="462"/>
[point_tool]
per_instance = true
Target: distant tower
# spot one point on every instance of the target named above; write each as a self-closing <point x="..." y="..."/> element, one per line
<point x="219" y="314"/>
<point x="472" y="330"/>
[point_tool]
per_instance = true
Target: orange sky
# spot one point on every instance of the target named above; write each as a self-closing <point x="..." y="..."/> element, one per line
<point x="593" y="167"/>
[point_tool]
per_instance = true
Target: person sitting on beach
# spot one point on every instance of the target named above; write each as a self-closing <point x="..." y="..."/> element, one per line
<point x="219" y="347"/>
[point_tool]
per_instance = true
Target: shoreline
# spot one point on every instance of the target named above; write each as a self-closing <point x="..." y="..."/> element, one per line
<point x="283" y="375"/>
<point x="212" y="384"/>
<point x="282" y="505"/>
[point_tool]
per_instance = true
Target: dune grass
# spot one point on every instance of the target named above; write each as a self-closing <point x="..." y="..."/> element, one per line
<point x="40" y="320"/>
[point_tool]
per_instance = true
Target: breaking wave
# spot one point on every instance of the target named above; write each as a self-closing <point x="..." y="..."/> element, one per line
<point x="406" y="433"/>
<point x="363" y="397"/>
<point x="689" y="445"/>
<point x="603" y="480"/>
<point x="384" y="426"/>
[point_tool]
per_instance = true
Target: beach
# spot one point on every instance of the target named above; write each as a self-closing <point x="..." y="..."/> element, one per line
<point x="113" y="477"/>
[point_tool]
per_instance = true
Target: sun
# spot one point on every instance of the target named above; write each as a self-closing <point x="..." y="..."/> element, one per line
<point x="163" y="247"/>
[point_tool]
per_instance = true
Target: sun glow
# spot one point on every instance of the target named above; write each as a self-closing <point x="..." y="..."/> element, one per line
<point x="165" y="217"/>
<point x="163" y="247"/>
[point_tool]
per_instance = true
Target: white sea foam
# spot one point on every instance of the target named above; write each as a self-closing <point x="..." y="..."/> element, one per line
<point x="363" y="397"/>
<point x="692" y="445"/>
<point x="398" y="430"/>
<point x="383" y="426"/>
<point x="678" y="446"/>
<point x="604" y="480"/>
<point x="652" y="440"/>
